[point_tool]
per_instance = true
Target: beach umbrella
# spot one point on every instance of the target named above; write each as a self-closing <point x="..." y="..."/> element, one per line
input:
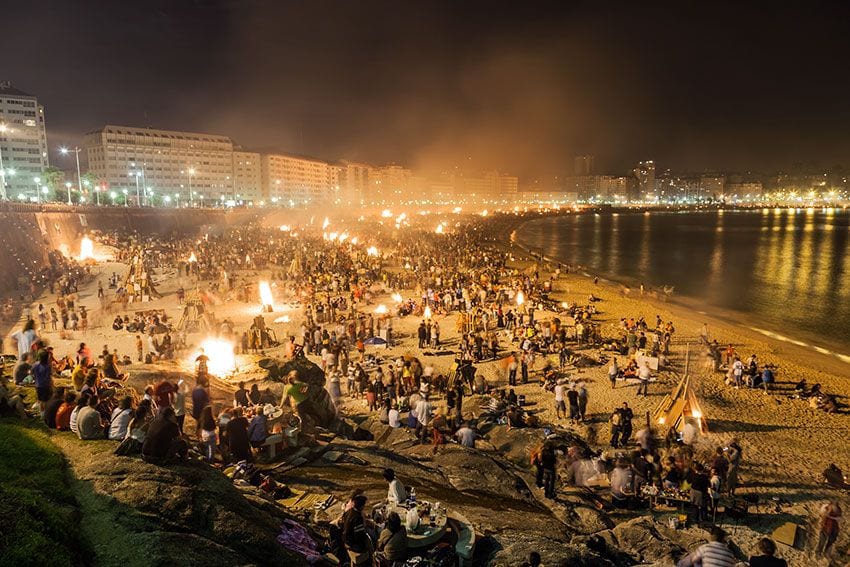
<point x="374" y="341"/>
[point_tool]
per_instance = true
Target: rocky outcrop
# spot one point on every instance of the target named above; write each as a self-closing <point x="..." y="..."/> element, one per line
<point x="135" y="513"/>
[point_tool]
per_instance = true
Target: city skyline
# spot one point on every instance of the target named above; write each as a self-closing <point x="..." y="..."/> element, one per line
<point x="520" y="90"/>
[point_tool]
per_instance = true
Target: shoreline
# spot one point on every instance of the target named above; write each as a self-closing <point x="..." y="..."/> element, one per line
<point x="806" y="344"/>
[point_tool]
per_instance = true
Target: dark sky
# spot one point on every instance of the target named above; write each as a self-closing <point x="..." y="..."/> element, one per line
<point x="522" y="86"/>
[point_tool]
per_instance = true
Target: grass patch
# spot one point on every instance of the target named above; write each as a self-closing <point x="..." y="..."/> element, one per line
<point x="40" y="520"/>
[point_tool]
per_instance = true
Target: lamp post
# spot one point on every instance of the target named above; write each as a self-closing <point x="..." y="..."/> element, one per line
<point x="64" y="151"/>
<point x="191" y="197"/>
<point x="125" y="196"/>
<point x="68" y="187"/>
<point x="3" y="130"/>
<point x="138" y="195"/>
<point x="37" y="189"/>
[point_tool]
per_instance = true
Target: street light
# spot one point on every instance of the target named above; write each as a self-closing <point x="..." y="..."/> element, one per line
<point x="68" y="187"/>
<point x="3" y="130"/>
<point x="125" y="196"/>
<point x="64" y="151"/>
<point x="37" y="186"/>
<point x="136" y="174"/>
<point x="112" y="195"/>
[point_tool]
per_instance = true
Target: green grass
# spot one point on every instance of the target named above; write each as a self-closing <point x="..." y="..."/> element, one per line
<point x="40" y="523"/>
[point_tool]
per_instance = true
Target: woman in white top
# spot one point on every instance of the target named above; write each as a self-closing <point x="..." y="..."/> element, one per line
<point x="121" y="419"/>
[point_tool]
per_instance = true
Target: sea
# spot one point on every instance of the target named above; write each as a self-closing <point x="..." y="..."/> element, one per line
<point x="782" y="272"/>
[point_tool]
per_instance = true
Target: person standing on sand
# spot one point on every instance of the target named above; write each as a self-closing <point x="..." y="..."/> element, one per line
<point x="829" y="524"/>
<point x="560" y="404"/>
<point x="512" y="368"/>
<point x="644" y="375"/>
<point x="582" y="401"/>
<point x="738" y="372"/>
<point x="613" y="371"/>
<point x="733" y="455"/>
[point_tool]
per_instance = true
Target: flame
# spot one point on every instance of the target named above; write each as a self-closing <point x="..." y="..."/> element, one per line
<point x="266" y="297"/>
<point x="381" y="309"/>
<point x="427" y="312"/>
<point x="222" y="361"/>
<point x="439" y="229"/>
<point x="485" y="212"/>
<point x="326" y="223"/>
<point x="193" y="258"/>
<point x="86" y="248"/>
<point x="372" y="251"/>
<point x="520" y="298"/>
<point x="397" y="297"/>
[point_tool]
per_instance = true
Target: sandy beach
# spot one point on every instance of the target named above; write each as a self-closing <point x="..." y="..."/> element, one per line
<point x="786" y="444"/>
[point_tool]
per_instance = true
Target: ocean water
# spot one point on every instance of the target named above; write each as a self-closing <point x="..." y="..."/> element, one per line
<point x="783" y="272"/>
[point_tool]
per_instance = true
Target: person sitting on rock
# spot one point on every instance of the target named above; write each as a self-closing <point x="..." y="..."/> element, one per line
<point x="396" y="493"/>
<point x="163" y="444"/>
<point x="392" y="542"/>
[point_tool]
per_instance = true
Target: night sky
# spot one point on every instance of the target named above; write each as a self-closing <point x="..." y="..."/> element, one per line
<point x="522" y="86"/>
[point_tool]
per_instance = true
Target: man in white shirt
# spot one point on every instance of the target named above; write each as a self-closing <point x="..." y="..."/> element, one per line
<point x="396" y="494"/>
<point x="644" y="374"/>
<point x="120" y="420"/>
<point x="738" y="372"/>
<point x="394" y="417"/>
<point x="423" y="417"/>
<point x="466" y="436"/>
<point x="560" y="404"/>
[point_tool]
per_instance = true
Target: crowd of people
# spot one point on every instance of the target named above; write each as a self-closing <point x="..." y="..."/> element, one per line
<point x="499" y="314"/>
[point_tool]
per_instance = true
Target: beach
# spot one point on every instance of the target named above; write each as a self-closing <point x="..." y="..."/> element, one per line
<point x="786" y="444"/>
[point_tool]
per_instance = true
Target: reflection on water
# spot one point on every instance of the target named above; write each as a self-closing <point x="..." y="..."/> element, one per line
<point x="784" y="266"/>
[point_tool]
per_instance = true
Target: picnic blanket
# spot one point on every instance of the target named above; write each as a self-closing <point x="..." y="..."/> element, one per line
<point x="303" y="500"/>
<point x="294" y="537"/>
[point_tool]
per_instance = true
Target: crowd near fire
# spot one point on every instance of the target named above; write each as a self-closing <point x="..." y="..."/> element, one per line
<point x="247" y="349"/>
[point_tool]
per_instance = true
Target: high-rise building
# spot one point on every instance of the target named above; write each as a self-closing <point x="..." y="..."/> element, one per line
<point x="712" y="185"/>
<point x="582" y="165"/>
<point x="296" y="180"/>
<point x="23" y="143"/>
<point x="186" y="166"/>
<point x="645" y="175"/>
<point x="389" y="183"/>
<point x="354" y="181"/>
<point x="247" y="177"/>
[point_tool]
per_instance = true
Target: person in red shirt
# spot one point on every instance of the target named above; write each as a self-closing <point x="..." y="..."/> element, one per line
<point x="63" y="415"/>
<point x="163" y="394"/>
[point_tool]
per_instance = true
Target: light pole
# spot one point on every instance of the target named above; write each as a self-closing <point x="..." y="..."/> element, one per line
<point x="3" y="130"/>
<point x="138" y="195"/>
<point x="68" y="187"/>
<point x="125" y="196"/>
<point x="191" y="198"/>
<point x="76" y="150"/>
<point x="37" y="189"/>
<point x="112" y="195"/>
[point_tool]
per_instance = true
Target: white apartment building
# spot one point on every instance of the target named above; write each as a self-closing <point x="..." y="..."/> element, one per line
<point x="185" y="166"/>
<point x="23" y="143"/>
<point x="296" y="181"/>
<point x="247" y="177"/>
<point x="354" y="181"/>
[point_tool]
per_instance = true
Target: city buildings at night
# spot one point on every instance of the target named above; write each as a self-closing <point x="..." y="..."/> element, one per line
<point x="23" y="142"/>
